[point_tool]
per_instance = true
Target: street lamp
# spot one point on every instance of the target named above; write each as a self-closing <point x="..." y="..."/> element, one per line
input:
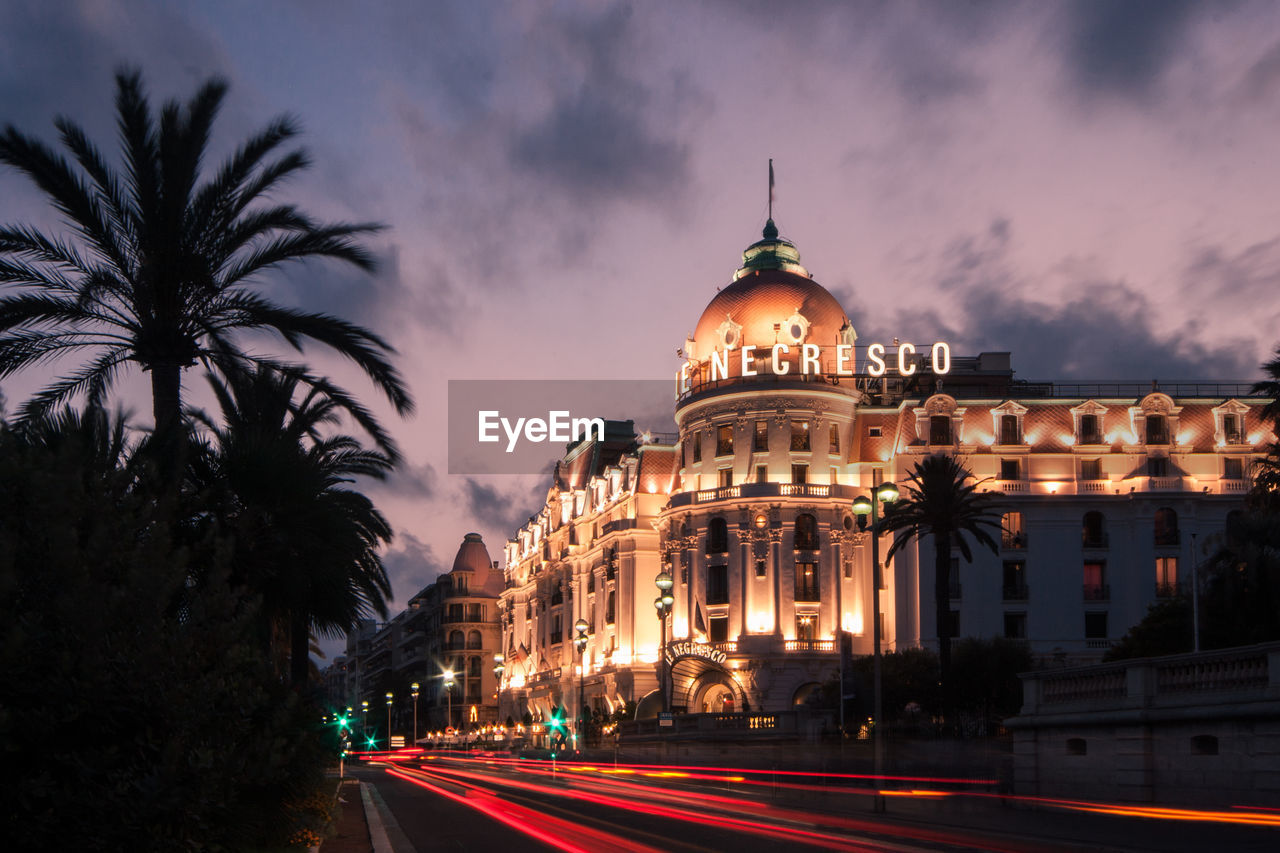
<point x="581" y="642"/>
<point x="499" y="666"/>
<point x="364" y="720"/>
<point x="390" y="698"/>
<point x="886" y="493"/>
<point x="414" y="688"/>
<point x="447" y="675"/>
<point x="663" y="603"/>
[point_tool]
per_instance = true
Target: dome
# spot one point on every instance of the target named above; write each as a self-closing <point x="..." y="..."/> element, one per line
<point x="472" y="555"/>
<point x="772" y="300"/>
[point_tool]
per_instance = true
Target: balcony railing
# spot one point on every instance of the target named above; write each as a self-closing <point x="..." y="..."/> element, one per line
<point x="1167" y="538"/>
<point x="809" y="645"/>
<point x="1097" y="592"/>
<point x="1014" y="541"/>
<point x="1015" y="592"/>
<point x="1168" y="590"/>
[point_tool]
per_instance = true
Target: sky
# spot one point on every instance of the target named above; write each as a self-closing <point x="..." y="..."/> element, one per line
<point x="1092" y="186"/>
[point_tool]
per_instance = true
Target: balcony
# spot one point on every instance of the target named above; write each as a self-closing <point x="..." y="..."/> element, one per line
<point x="809" y="645"/>
<point x="1015" y="592"/>
<point x="1094" y="539"/>
<point x="1168" y="590"/>
<point x="1097" y="592"/>
<point x="1168" y="538"/>
<point x="1013" y="541"/>
<point x="764" y="490"/>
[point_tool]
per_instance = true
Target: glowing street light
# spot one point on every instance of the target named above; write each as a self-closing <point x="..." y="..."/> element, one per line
<point x="886" y="493"/>
<point x="390" y="698"/>
<point x="581" y="627"/>
<point x="663" y="603"/>
<point x="414" y="687"/>
<point x="447" y="675"/>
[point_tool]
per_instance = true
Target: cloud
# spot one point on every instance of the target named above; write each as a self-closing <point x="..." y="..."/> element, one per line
<point x="598" y="140"/>
<point x="504" y="511"/>
<point x="1123" y="49"/>
<point x="411" y="564"/>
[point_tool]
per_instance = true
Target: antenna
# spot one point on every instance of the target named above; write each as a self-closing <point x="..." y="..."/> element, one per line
<point x="771" y="188"/>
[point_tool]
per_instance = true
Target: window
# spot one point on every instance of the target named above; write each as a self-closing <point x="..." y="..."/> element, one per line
<point x="474" y="612"/>
<point x="456" y="640"/>
<point x="1093" y="531"/>
<point x="1009" y="469"/>
<point x="724" y="441"/>
<point x="687" y="454"/>
<point x="875" y="431"/>
<point x="760" y="568"/>
<point x="800" y="474"/>
<point x="761" y="441"/>
<point x="834" y="440"/>
<point x="609" y="608"/>
<point x="1204" y="745"/>
<point x="1166" y="577"/>
<point x="697" y="447"/>
<point x="1157" y="466"/>
<point x="1157" y="429"/>
<point x="591" y="582"/>
<point x="473" y="668"/>
<point x="1095" y="626"/>
<point x="1014" y="581"/>
<point x="459" y="584"/>
<point x="557" y="628"/>
<point x="719" y="629"/>
<point x="799" y="435"/>
<point x="762" y="473"/>
<point x="456" y="613"/>
<point x="1090" y="469"/>
<point x="1232" y="433"/>
<point x="1166" y="528"/>
<point x="718" y="584"/>
<point x="1011" y="532"/>
<point x="717" y="536"/>
<point x="1090" y="429"/>
<point x="940" y="429"/>
<point x="806" y="533"/>
<point x="473" y="640"/>
<point x="1095" y="581"/>
<point x="807" y="581"/>
<point x="557" y="596"/>
<point x="1077" y="746"/>
<point x="1015" y="626"/>
<point x="807" y="627"/>
<point x="726" y="477"/>
<point x="1232" y="468"/>
<point x="1009" y="430"/>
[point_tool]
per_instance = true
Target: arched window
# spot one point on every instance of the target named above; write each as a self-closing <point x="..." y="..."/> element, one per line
<point x="1093" y="530"/>
<point x="455" y="639"/>
<point x="1166" y="527"/>
<point x="717" y="536"/>
<point x="806" y="532"/>
<point x="473" y="640"/>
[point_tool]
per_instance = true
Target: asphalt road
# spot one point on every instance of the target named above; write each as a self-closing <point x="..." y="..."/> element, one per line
<point x="444" y="802"/>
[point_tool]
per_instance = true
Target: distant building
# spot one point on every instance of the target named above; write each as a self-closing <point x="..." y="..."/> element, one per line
<point x="783" y="419"/>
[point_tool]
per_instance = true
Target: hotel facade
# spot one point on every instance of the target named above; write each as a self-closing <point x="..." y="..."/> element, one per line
<point x="1107" y="492"/>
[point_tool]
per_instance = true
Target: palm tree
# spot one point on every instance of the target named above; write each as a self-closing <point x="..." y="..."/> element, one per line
<point x="159" y="269"/>
<point x="1271" y="388"/>
<point x="939" y="502"/>
<point x="304" y="541"/>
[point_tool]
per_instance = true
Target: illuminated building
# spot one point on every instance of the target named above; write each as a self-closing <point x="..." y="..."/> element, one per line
<point x="1105" y="490"/>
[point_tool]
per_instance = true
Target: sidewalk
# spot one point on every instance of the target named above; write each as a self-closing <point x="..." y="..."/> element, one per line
<point x="352" y="827"/>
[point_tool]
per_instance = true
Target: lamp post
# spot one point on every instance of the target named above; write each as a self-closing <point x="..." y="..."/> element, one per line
<point x="390" y="698"/>
<point x="663" y="603"/>
<point x="885" y="493"/>
<point x="364" y="722"/>
<point x="414" y="688"/>
<point x="581" y="642"/>
<point x="448" y="692"/>
<point x="499" y="667"/>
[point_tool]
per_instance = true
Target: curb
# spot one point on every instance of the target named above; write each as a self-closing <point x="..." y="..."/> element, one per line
<point x="385" y="833"/>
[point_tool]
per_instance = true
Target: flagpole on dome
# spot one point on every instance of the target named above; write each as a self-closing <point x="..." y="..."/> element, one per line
<point x="771" y="189"/>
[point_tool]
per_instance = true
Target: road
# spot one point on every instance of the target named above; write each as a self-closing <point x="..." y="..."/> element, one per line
<point x="444" y="801"/>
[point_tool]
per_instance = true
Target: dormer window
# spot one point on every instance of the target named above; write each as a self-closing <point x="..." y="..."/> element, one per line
<point x="1007" y="423"/>
<point x="1090" y="423"/>
<point x="1229" y="423"/>
<point x="1090" y="429"/>
<point x="940" y="429"/>
<point x="1009" y="432"/>
<point x="1157" y="429"/>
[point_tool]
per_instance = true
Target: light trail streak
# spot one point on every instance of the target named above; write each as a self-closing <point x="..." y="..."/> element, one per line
<point x="552" y="831"/>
